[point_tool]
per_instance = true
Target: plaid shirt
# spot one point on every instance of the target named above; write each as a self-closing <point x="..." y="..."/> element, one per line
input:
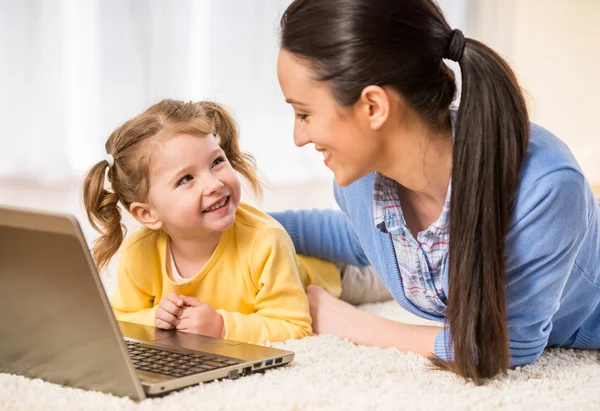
<point x="421" y="261"/>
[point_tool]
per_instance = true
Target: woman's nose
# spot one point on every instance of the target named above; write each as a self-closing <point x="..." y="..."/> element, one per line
<point x="301" y="138"/>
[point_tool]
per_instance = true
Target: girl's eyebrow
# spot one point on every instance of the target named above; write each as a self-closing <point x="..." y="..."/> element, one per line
<point x="178" y="173"/>
<point x="184" y="169"/>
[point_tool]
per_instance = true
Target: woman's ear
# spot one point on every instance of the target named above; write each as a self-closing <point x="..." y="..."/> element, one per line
<point x="374" y="103"/>
<point x="143" y="213"/>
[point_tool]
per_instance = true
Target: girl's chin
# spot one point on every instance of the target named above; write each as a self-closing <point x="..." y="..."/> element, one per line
<point x="220" y="224"/>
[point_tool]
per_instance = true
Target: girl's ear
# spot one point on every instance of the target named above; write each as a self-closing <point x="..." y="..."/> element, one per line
<point x="144" y="213"/>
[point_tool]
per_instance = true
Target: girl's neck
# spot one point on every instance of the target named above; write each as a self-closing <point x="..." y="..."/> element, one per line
<point x="191" y="254"/>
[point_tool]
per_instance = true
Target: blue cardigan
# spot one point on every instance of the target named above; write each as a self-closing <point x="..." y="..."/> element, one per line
<point x="552" y="251"/>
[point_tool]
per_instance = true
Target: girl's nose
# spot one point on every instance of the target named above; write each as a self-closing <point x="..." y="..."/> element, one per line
<point x="212" y="185"/>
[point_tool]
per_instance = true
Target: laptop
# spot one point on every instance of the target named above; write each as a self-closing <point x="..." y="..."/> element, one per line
<point x="57" y="323"/>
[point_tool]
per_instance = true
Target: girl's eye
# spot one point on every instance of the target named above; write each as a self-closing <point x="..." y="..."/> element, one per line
<point x="218" y="161"/>
<point x="185" y="179"/>
<point x="301" y="117"/>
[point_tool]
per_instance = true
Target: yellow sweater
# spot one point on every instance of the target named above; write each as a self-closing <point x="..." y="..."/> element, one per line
<point x="254" y="280"/>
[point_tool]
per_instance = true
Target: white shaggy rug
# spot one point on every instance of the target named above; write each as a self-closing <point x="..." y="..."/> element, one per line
<point x="332" y="374"/>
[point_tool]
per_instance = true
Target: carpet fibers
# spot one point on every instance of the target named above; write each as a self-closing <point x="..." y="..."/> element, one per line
<point x="329" y="373"/>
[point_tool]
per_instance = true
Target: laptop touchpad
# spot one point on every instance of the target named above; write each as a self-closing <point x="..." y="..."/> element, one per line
<point x="143" y="332"/>
<point x="196" y="342"/>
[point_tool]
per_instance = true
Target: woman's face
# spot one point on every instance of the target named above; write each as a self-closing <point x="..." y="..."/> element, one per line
<point x="342" y="134"/>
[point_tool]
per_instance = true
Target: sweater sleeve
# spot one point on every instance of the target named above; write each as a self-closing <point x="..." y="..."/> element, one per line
<point x="549" y="224"/>
<point x="130" y="302"/>
<point x="281" y="305"/>
<point x="326" y="234"/>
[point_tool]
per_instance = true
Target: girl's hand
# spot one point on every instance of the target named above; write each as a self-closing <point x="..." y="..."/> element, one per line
<point x="200" y="318"/>
<point x="168" y="311"/>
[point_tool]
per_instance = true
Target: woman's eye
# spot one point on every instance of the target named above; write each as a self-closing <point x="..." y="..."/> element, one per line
<point x="301" y="117"/>
<point x="185" y="179"/>
<point x="218" y="161"/>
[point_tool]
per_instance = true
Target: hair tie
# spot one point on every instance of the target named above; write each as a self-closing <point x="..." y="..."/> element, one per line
<point x="110" y="160"/>
<point x="456" y="48"/>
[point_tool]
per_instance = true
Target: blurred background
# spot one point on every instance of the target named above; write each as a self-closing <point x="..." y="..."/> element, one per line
<point x="71" y="71"/>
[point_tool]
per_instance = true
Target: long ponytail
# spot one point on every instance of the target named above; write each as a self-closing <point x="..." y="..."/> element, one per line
<point x="491" y="137"/>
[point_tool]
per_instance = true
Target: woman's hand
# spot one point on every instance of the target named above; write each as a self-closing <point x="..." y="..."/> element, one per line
<point x="329" y="314"/>
<point x="200" y="318"/>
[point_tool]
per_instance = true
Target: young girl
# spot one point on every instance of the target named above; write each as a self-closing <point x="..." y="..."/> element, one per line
<point x="204" y="262"/>
<point x="473" y="217"/>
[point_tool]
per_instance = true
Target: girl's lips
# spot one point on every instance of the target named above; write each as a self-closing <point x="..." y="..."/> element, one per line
<point x="218" y="209"/>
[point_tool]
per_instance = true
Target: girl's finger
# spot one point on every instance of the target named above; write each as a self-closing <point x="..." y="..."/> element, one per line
<point x="163" y="324"/>
<point x="166" y="317"/>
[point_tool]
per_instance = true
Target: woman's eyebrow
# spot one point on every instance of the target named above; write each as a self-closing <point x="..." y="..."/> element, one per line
<point x="296" y="102"/>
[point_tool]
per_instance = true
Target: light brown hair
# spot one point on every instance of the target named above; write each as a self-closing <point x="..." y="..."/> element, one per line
<point x="129" y="176"/>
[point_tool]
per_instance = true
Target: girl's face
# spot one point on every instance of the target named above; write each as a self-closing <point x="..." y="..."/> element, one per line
<point x="193" y="188"/>
<point x="342" y="134"/>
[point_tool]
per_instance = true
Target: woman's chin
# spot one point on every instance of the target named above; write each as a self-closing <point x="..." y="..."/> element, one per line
<point x="344" y="179"/>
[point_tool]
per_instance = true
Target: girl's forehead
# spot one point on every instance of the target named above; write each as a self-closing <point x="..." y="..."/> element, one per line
<point x="184" y="141"/>
<point x="178" y="150"/>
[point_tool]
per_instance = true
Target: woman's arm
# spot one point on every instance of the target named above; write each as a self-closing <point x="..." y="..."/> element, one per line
<point x="326" y="234"/>
<point x="336" y="317"/>
<point x="551" y="222"/>
<point x="418" y="339"/>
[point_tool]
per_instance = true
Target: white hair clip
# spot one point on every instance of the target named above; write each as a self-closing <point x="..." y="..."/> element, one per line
<point x="110" y="160"/>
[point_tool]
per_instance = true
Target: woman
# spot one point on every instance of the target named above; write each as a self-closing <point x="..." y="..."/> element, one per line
<point x="472" y="216"/>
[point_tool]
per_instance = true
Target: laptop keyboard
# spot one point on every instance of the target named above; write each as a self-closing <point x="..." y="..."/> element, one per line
<point x="174" y="364"/>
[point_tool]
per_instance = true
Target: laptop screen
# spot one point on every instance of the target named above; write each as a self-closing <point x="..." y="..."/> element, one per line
<point x="55" y="319"/>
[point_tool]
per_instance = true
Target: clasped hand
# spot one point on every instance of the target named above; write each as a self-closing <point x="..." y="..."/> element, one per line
<point x="189" y="315"/>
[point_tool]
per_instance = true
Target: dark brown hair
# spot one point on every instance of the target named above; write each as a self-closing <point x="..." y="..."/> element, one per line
<point x="129" y="175"/>
<point x="351" y="44"/>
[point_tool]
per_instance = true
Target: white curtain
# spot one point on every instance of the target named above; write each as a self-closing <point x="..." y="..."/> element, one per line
<point x="73" y="70"/>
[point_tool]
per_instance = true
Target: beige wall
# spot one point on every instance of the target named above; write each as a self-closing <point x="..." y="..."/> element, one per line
<point x="554" y="47"/>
